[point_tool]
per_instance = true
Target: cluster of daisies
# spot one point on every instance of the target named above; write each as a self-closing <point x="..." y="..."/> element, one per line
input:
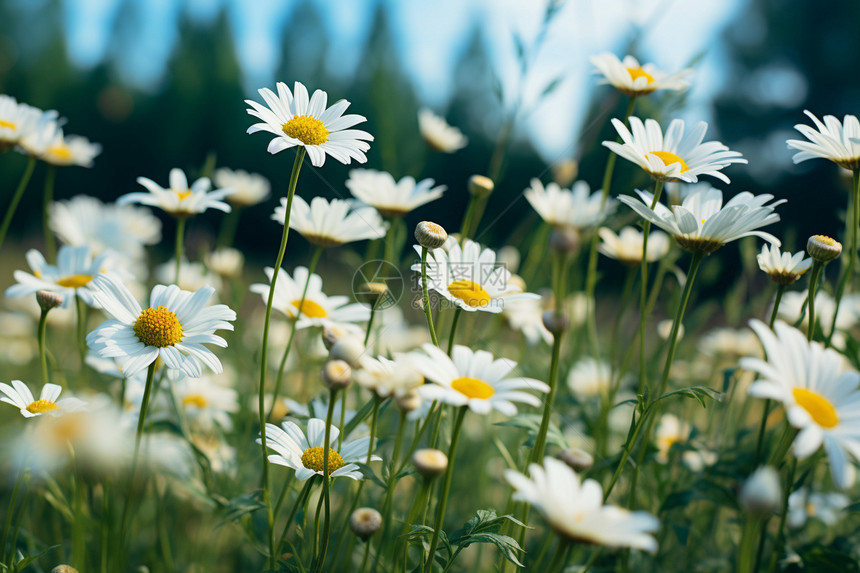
<point x="169" y="397"/>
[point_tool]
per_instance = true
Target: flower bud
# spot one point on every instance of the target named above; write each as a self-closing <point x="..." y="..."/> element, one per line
<point x="555" y="322"/>
<point x="365" y="521"/>
<point x="664" y="329"/>
<point x="565" y="172"/>
<point x="409" y="402"/>
<point x="372" y="293"/>
<point x="349" y="348"/>
<point x="226" y="262"/>
<point x="430" y="235"/>
<point x="481" y="186"/>
<point x="564" y="240"/>
<point x="336" y="375"/>
<point x="822" y="248"/>
<point x="761" y="494"/>
<point x="64" y="569"/>
<point x="332" y="333"/>
<point x="48" y="300"/>
<point x="577" y="459"/>
<point x="429" y="462"/>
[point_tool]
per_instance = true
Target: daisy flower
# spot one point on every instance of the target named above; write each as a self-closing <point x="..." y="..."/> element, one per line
<point x="386" y="377"/>
<point x="526" y="315"/>
<point x="703" y="223"/>
<point x="671" y="430"/>
<point x="474" y="379"/>
<point x="19" y="395"/>
<point x="804" y="504"/>
<point x="589" y="378"/>
<point x="16" y="120"/>
<point x="331" y="223"/>
<point x="634" y="79"/>
<point x="575" y="509"/>
<point x="321" y="130"/>
<point x="72" y="275"/>
<point x="318" y="309"/>
<point x="36" y="130"/>
<point x="677" y="155"/>
<point x="391" y="198"/>
<point x="206" y="404"/>
<point x="179" y="199"/>
<point x="64" y="150"/>
<point x="437" y="134"/>
<point x="838" y="142"/>
<point x="248" y="188"/>
<point x="469" y="277"/>
<point x="226" y="262"/>
<point x="626" y="246"/>
<point x="820" y="397"/>
<point x="173" y="328"/>
<point x="304" y="452"/>
<point x="576" y="207"/>
<point x="782" y="268"/>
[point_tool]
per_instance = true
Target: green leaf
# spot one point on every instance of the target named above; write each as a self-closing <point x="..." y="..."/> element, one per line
<point x="359" y="417"/>
<point x="551" y="86"/>
<point x="819" y="559"/>
<point x="531" y="423"/>
<point x="483" y="528"/>
<point x="699" y="393"/>
<point x="30" y="558"/>
<point x="368" y="473"/>
<point x="236" y="507"/>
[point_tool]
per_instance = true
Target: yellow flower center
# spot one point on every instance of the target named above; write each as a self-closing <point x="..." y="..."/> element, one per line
<point x="636" y="73"/>
<point x="61" y="152"/>
<point x="469" y="292"/>
<point x="42" y="406"/>
<point x="197" y="400"/>
<point x="158" y="327"/>
<point x="183" y="194"/>
<point x="75" y="281"/>
<point x="7" y="124"/>
<point x="308" y="130"/>
<point x="312" y="458"/>
<point x="668" y="158"/>
<point x="825" y="239"/>
<point x="820" y="409"/>
<point x="308" y="308"/>
<point x="473" y="388"/>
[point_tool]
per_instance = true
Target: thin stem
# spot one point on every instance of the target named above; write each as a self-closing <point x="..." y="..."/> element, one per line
<point x="848" y="272"/>
<point x="446" y="488"/>
<point x="560" y="557"/>
<point x="457" y="314"/>
<point x="43" y="352"/>
<point x="16" y="198"/>
<point x="326" y="483"/>
<point x="540" y="440"/>
<point x="467" y="218"/>
<point x="363" y="567"/>
<point x="779" y="290"/>
<point x="780" y="531"/>
<point x="47" y="198"/>
<point x="388" y="504"/>
<point x="761" y="430"/>
<point x="81" y="309"/>
<point x="229" y="225"/>
<point x="426" y="297"/>
<point x="643" y="306"/>
<point x="300" y="501"/>
<point x="294" y="177"/>
<point x="180" y="236"/>
<point x="817" y="266"/>
<point x="749" y="542"/>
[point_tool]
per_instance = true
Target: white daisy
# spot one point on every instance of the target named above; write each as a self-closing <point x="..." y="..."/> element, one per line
<point x="576" y="207"/>
<point x="677" y="155"/>
<point x="248" y="188"/>
<point x="318" y="309"/>
<point x="179" y="199"/>
<point x="386" y="377"/>
<point x="391" y="198"/>
<point x="821" y="399"/>
<point x="19" y="395"/>
<point x="838" y="142"/>
<point x="804" y="504"/>
<point x="37" y="131"/>
<point x="474" y="379"/>
<point x="793" y="303"/>
<point x="73" y="273"/>
<point x="728" y="342"/>
<point x="626" y="246"/>
<point x="703" y="223"/>
<point x="589" y="378"/>
<point x="633" y="79"/>
<point x="173" y="328"/>
<point x="226" y="261"/>
<point x="295" y="120"/>
<point x="331" y="224"/>
<point x="304" y="453"/>
<point x="575" y="510"/>
<point x="469" y="277"/>
<point x="16" y="120"/>
<point x="670" y="431"/>
<point x="64" y="150"/>
<point x="782" y="268"/>
<point x="526" y="315"/>
<point x="206" y="403"/>
<point x="438" y="135"/>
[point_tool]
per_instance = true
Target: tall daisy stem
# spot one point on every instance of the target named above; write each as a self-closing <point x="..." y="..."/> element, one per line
<point x="780" y="535"/>
<point x="761" y="430"/>
<point x="81" y="309"/>
<point x="446" y="488"/>
<point x="560" y="558"/>
<point x="180" y="237"/>
<point x="388" y="504"/>
<point x="43" y="351"/>
<point x="817" y="266"/>
<point x="643" y="306"/>
<point x="294" y="177"/>
<point x="426" y="297"/>
<point x="47" y="198"/>
<point x="848" y="272"/>
<point x="320" y="561"/>
<point x="457" y="314"/>
<point x="16" y="198"/>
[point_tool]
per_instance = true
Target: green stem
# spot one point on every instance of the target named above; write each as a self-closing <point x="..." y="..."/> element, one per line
<point x="560" y="557"/>
<point x="749" y="543"/>
<point x="767" y="403"/>
<point x="540" y="441"/>
<point x="817" y="266"/>
<point x="229" y="225"/>
<point x="848" y="272"/>
<point x="81" y="310"/>
<point x="7" y="523"/>
<point x="457" y="314"/>
<point x="643" y="306"/>
<point x="446" y="488"/>
<point x="294" y="177"/>
<point x="779" y="290"/>
<point x="16" y="198"/>
<point x="47" y="198"/>
<point x="180" y="234"/>
<point x="388" y="504"/>
<point x="363" y="567"/>
<point x="467" y="218"/>
<point x="300" y="501"/>
<point x="326" y="483"/>
<point x="426" y="297"/>
<point x="43" y="352"/>
<point x="780" y="531"/>
<point x="370" y="323"/>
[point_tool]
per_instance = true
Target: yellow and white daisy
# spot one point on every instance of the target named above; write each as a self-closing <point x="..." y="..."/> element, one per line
<point x="634" y="79"/>
<point x="526" y="315"/>
<point x="296" y="120"/>
<point x="791" y="309"/>
<point x="469" y="277"/>
<point x="577" y="207"/>
<point x="226" y="261"/>
<point x="317" y="309"/>
<point x="703" y="223"/>
<point x="391" y="198"/>
<point x="474" y="379"/>
<point x="174" y="327"/>
<point x="20" y="396"/>
<point x="73" y="273"/>
<point x="248" y="188"/>
<point x="830" y="139"/>
<point x="821" y="398"/>
<point x="782" y="268"/>
<point x="179" y="199"/>
<point x="804" y="504"/>
<point x="16" y="120"/>
<point x="304" y="452"/>
<point x="206" y="403"/>
<point x="677" y="155"/>
<point x="589" y="378"/>
<point x="670" y="431"/>
<point x="728" y="342"/>
<point x="575" y="509"/>
<point x="386" y="377"/>
<point x="64" y="150"/>
<point x="331" y="223"/>
<point x="437" y="134"/>
<point x="626" y="246"/>
<point x="36" y="129"/>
